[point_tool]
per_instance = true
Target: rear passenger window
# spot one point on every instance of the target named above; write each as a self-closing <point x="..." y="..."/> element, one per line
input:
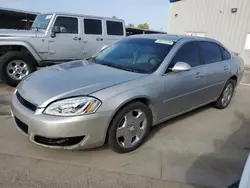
<point x="92" y="26"/>
<point x="210" y="52"/>
<point x="67" y="24"/>
<point x="188" y="53"/>
<point x="115" y="28"/>
<point x="225" y="54"/>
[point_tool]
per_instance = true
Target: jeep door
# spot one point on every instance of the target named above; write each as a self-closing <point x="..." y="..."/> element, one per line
<point x="93" y="36"/>
<point x="66" y="42"/>
<point x="115" y="31"/>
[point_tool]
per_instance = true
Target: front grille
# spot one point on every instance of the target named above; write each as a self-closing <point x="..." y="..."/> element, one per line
<point x="22" y="125"/>
<point x="70" y="141"/>
<point x="26" y="103"/>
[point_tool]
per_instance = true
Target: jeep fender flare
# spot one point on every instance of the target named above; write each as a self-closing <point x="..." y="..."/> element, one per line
<point x="27" y="45"/>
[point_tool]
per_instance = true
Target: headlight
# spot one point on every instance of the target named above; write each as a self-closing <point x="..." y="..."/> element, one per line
<point x="73" y="106"/>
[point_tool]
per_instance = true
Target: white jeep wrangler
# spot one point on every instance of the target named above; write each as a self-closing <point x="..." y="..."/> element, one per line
<point x="54" y="38"/>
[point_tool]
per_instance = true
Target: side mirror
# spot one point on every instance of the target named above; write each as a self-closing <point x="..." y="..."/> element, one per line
<point x="53" y="35"/>
<point x="181" y="66"/>
<point x="55" y="29"/>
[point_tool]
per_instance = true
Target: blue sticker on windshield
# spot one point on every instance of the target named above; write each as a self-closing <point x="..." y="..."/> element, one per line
<point x="160" y="41"/>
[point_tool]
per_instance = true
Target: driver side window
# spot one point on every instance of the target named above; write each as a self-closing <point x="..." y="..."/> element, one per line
<point x="67" y="24"/>
<point x="188" y="53"/>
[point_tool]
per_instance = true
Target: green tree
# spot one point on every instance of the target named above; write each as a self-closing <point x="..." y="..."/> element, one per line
<point x="143" y="26"/>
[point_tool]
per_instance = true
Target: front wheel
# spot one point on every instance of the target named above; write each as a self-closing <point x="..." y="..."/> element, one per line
<point x="129" y="127"/>
<point x="14" y="66"/>
<point x="226" y="95"/>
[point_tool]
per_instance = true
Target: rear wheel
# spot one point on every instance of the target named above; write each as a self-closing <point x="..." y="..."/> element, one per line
<point x="14" y="66"/>
<point x="226" y="95"/>
<point x="129" y="127"/>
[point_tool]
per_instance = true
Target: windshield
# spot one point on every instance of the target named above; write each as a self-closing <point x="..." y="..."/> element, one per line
<point x="41" y="21"/>
<point x="135" y="54"/>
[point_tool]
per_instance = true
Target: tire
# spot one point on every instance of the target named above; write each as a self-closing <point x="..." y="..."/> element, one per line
<point x="219" y="103"/>
<point x="21" y="58"/>
<point x="137" y="134"/>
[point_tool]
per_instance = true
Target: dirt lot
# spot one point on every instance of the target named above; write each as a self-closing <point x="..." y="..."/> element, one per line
<point x="207" y="147"/>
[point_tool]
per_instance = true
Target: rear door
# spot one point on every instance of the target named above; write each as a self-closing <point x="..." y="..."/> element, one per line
<point x="184" y="90"/>
<point x="115" y="31"/>
<point x="93" y="36"/>
<point x="217" y="70"/>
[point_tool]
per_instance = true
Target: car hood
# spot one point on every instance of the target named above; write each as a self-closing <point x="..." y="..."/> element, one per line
<point x="18" y="33"/>
<point x="70" y="79"/>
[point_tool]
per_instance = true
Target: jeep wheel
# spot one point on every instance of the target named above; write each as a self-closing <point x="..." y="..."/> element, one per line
<point x="14" y="66"/>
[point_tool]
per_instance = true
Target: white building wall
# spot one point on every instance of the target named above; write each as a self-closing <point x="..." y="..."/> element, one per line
<point x="213" y="18"/>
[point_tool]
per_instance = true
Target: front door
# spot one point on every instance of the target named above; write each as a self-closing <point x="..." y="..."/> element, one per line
<point x="93" y="36"/>
<point x="183" y="90"/>
<point x="67" y="44"/>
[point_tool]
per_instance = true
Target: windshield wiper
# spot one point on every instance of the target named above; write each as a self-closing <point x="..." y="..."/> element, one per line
<point x="91" y="59"/>
<point x="118" y="67"/>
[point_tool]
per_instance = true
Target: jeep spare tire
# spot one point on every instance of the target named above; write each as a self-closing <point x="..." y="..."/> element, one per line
<point x="14" y="66"/>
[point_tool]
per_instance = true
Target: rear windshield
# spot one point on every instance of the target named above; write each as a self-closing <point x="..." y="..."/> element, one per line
<point x="136" y="54"/>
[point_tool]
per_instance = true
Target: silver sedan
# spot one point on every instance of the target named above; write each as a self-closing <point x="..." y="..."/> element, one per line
<point x="121" y="92"/>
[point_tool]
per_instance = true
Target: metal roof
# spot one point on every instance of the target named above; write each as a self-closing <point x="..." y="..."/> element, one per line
<point x="18" y="11"/>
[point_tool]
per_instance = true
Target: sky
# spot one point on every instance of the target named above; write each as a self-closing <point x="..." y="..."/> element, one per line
<point x="153" y="12"/>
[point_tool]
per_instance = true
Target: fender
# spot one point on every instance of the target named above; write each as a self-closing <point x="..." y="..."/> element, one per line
<point x="25" y="44"/>
<point x="118" y="101"/>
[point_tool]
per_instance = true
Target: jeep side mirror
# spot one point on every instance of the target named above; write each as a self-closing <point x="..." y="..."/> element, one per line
<point x="55" y="29"/>
<point x="53" y="35"/>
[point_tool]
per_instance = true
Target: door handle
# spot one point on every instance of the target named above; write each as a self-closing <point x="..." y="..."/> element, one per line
<point x="75" y="38"/>
<point x="198" y="75"/>
<point x="99" y="39"/>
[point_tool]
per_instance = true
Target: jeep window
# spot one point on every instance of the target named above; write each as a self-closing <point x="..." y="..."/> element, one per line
<point x="115" y="28"/>
<point x="92" y="26"/>
<point x="41" y="21"/>
<point x="67" y="24"/>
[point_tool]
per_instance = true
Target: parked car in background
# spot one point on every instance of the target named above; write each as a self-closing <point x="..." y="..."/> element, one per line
<point x="121" y="92"/>
<point x="54" y="38"/>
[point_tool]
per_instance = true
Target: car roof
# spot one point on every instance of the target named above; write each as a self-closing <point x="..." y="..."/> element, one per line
<point x="174" y="38"/>
<point x="83" y="15"/>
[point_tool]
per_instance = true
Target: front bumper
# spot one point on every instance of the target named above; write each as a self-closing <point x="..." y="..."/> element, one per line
<point x="87" y="131"/>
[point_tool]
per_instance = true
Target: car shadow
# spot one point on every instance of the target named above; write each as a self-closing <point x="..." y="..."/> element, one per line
<point x="166" y="123"/>
<point x="154" y="129"/>
<point x="223" y="167"/>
